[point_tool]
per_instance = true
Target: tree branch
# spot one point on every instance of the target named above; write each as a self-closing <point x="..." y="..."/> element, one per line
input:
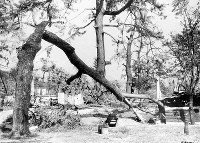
<point x="77" y="75"/>
<point x="78" y="28"/>
<point x="108" y="25"/>
<point x="85" y="25"/>
<point x="117" y="25"/>
<point x="117" y="41"/>
<point x="107" y="62"/>
<point x="120" y="10"/>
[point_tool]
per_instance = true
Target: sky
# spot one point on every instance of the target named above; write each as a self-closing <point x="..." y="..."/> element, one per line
<point x="85" y="45"/>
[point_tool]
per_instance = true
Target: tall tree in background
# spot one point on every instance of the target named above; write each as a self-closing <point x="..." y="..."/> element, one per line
<point x="140" y="33"/>
<point x="129" y="81"/>
<point x="185" y="47"/>
<point x="101" y="11"/>
<point x="110" y="8"/>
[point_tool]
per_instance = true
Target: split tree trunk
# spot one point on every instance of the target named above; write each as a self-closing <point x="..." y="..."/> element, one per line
<point x="24" y="77"/>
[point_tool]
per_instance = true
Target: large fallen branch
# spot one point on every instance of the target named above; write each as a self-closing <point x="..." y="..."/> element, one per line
<point x="83" y="68"/>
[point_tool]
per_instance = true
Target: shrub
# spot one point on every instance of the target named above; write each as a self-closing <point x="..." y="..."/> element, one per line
<point x="58" y="118"/>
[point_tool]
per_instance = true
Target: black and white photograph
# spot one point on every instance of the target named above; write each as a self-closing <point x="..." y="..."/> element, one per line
<point x="99" y="71"/>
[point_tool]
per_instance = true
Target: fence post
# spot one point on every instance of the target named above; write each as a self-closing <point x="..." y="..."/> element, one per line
<point x="186" y="130"/>
<point x="162" y="114"/>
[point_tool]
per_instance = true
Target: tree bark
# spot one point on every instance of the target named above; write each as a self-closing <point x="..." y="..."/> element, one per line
<point x="191" y="110"/>
<point x="128" y="4"/>
<point x="83" y="68"/>
<point x="24" y="77"/>
<point x="192" y="52"/>
<point x="99" y="37"/>
<point x="128" y="65"/>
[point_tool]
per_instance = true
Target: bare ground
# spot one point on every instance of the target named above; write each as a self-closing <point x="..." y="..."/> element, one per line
<point x="129" y="132"/>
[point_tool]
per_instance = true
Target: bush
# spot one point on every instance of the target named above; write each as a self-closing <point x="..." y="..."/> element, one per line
<point x="58" y="118"/>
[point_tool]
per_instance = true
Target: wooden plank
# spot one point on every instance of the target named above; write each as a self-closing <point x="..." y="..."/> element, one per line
<point x="176" y="108"/>
<point x="179" y="108"/>
<point x="141" y="96"/>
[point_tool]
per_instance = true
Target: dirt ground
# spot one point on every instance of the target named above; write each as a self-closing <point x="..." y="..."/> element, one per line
<point x="128" y="131"/>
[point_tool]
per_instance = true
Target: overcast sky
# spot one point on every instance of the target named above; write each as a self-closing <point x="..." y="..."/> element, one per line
<point x="85" y="45"/>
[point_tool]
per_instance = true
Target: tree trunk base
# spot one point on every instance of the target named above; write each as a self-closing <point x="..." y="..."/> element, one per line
<point x="16" y="135"/>
<point x="191" y="113"/>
